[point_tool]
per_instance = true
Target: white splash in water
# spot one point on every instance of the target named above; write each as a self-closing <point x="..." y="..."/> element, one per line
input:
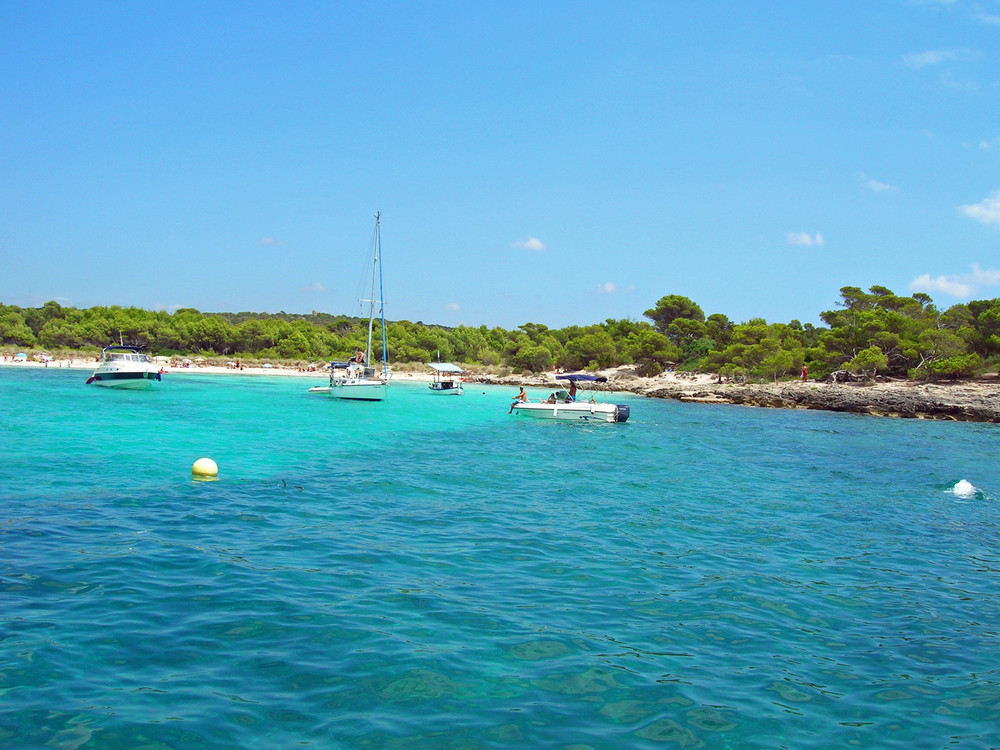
<point x="964" y="488"/>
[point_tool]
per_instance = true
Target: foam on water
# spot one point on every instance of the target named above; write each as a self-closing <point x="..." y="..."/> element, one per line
<point x="964" y="488"/>
<point x="429" y="572"/>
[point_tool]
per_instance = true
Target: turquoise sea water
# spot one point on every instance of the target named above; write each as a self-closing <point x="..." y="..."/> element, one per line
<point x="430" y="572"/>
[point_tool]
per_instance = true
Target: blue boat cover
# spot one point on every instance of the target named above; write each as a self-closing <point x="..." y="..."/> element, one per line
<point x="583" y="378"/>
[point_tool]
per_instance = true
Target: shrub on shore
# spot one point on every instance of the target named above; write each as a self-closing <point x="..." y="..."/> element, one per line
<point x="874" y="332"/>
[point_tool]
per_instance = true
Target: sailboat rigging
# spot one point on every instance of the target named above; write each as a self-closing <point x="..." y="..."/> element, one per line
<point x="358" y="379"/>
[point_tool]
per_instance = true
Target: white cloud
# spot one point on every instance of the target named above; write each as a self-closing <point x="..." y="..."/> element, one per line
<point x="452" y="307"/>
<point x="314" y="287"/>
<point x="804" y="238"/>
<point x="923" y="59"/>
<point x="985" y="278"/>
<point x="606" y="288"/>
<point x="270" y="241"/>
<point x="962" y="286"/>
<point x="950" y="285"/>
<point x="987" y="144"/>
<point x="879" y="187"/>
<point x="987" y="210"/>
<point x="532" y="243"/>
<point x="959" y="84"/>
<point x="974" y="10"/>
<point x="934" y="57"/>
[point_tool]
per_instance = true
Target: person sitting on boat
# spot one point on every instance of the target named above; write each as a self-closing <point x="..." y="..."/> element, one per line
<point x="521" y="397"/>
<point x="551" y="399"/>
<point x="572" y="392"/>
<point x="359" y="357"/>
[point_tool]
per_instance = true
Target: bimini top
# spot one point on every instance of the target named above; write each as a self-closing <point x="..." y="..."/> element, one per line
<point x="580" y="377"/>
<point x="124" y="348"/>
<point x="444" y="367"/>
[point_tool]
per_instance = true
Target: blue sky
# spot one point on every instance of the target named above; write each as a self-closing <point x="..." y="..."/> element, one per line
<point x="548" y="162"/>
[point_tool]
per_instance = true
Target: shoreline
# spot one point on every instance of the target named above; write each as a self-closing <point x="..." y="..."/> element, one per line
<point x="975" y="400"/>
<point x="958" y="401"/>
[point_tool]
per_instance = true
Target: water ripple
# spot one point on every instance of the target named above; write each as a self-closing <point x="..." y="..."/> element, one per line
<point x="430" y="575"/>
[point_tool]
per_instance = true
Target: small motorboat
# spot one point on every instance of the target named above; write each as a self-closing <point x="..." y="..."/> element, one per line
<point x="447" y="378"/>
<point x="563" y="405"/>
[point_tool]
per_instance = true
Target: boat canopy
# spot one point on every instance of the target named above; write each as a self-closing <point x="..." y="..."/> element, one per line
<point x="444" y="367"/>
<point x="123" y="348"/>
<point x="579" y="377"/>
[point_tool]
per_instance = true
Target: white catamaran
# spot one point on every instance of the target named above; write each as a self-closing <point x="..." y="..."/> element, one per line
<point x="358" y="379"/>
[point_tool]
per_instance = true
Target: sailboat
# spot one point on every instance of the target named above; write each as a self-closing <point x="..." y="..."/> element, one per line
<point x="359" y="379"/>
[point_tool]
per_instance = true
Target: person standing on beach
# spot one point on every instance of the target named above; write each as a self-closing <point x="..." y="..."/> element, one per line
<point x="805" y="373"/>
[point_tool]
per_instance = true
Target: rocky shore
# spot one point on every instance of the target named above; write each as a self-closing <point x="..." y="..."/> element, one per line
<point x="962" y="401"/>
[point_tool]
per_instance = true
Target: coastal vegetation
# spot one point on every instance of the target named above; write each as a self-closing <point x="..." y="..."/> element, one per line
<point x="869" y="333"/>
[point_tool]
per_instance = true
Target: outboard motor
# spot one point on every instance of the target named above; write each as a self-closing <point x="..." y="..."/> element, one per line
<point x="621" y="412"/>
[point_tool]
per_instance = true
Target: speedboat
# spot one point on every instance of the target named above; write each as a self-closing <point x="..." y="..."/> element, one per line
<point x="565" y="406"/>
<point x="446" y="380"/>
<point x="125" y="367"/>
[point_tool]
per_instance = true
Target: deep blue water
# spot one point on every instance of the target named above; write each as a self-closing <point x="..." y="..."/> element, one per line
<point x="430" y="572"/>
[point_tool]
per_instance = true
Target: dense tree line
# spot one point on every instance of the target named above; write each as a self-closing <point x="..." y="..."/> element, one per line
<point x="870" y="333"/>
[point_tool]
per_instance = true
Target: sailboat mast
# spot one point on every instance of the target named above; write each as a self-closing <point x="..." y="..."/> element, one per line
<point x="381" y="298"/>
<point x="371" y="297"/>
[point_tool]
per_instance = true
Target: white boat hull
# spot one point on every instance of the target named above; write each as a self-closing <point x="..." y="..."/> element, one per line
<point x="119" y="378"/>
<point x="573" y="412"/>
<point x="358" y="389"/>
<point x="446" y="389"/>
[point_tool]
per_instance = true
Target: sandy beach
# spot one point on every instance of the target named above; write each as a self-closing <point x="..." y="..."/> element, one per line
<point x="975" y="400"/>
<point x="88" y="365"/>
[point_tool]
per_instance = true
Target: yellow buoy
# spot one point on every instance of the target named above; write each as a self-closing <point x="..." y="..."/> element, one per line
<point x="205" y="467"/>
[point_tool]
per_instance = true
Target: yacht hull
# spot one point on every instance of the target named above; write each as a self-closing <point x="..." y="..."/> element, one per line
<point x="123" y="378"/>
